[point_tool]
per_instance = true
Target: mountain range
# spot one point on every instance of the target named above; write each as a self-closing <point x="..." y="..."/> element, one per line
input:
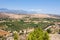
<point x="16" y="11"/>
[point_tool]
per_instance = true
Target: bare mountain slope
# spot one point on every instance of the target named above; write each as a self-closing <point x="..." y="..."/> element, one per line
<point x="17" y="16"/>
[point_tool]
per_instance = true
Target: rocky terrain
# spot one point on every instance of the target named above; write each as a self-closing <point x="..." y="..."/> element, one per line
<point x="54" y="36"/>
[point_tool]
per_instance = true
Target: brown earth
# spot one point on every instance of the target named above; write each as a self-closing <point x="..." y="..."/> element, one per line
<point x="16" y="16"/>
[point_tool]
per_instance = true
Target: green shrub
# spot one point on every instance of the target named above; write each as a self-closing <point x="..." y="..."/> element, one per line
<point x="16" y="36"/>
<point x="49" y="30"/>
<point x="38" y="34"/>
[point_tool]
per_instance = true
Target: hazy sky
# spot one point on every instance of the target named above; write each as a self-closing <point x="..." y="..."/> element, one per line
<point x="42" y="6"/>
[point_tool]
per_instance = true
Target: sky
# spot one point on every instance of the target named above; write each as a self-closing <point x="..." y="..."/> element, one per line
<point x="40" y="6"/>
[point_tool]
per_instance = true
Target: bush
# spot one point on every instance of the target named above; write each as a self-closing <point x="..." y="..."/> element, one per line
<point x="38" y="34"/>
<point x="16" y="36"/>
<point x="59" y="31"/>
<point x="49" y="30"/>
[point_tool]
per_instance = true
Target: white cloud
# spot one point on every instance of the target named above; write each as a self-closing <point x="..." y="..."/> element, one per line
<point x="36" y="10"/>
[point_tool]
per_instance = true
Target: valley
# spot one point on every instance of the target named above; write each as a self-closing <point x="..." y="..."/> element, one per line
<point x="24" y="24"/>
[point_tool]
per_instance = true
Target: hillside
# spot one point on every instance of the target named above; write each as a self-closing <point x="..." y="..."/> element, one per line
<point x="26" y="23"/>
<point x="18" y="16"/>
<point x="4" y="12"/>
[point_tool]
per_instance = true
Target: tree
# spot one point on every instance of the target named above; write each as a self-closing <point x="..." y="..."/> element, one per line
<point x="38" y="34"/>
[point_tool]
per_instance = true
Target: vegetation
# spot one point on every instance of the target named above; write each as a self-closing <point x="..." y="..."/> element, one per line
<point x="44" y="25"/>
<point x="59" y="31"/>
<point x="38" y="34"/>
<point x="49" y="30"/>
<point x="20" y="24"/>
<point x="16" y="36"/>
<point x="15" y="25"/>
